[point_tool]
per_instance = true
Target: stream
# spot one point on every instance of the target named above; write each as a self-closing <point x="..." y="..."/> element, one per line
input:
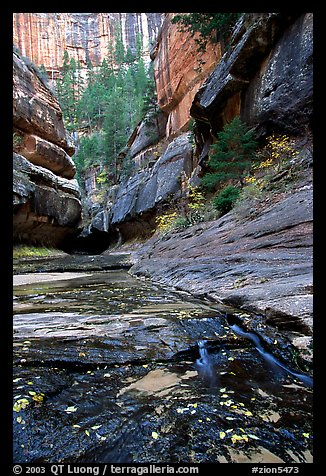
<point x="113" y="369"/>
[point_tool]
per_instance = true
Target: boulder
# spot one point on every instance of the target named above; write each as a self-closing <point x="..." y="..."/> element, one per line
<point x="46" y="154"/>
<point x="46" y="207"/>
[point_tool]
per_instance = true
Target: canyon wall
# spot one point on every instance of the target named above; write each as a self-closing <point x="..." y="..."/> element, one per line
<point x="46" y="200"/>
<point x="179" y="71"/>
<point x="265" y="75"/>
<point x="43" y="37"/>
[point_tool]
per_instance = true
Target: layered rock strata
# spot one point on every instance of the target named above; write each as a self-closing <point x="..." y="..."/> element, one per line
<point x="44" y="37"/>
<point x="46" y="200"/>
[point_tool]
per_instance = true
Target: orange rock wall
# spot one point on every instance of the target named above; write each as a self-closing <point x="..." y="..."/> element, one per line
<point x="43" y="37"/>
<point x="179" y="71"/>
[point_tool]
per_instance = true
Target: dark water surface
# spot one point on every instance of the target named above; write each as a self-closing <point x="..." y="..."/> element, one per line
<point x="109" y="368"/>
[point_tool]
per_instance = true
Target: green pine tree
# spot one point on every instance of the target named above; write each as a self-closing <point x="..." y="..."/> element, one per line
<point x="231" y="156"/>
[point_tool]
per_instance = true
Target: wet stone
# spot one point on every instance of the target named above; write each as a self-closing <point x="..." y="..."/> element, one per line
<point x="108" y="369"/>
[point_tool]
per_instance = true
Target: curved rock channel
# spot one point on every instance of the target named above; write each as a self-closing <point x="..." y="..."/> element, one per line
<point x="110" y="368"/>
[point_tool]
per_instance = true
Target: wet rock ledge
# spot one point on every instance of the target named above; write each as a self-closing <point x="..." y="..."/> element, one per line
<point x="261" y="263"/>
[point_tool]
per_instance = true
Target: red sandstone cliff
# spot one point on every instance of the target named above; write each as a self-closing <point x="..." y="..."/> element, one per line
<point x="43" y="37"/>
<point x="179" y="72"/>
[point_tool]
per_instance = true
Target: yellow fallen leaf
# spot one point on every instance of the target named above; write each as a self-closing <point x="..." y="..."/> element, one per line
<point x="241" y="404"/>
<point x="82" y="354"/>
<point x="87" y="432"/>
<point x="17" y="379"/>
<point x="275" y="341"/>
<point x="32" y="393"/>
<point x="306" y="435"/>
<point x="30" y="383"/>
<point x="222" y="435"/>
<point x="154" y="435"/>
<point x="225" y="395"/>
<point x="208" y="419"/>
<point x="222" y="390"/>
<point x="71" y="409"/>
<point x="76" y="426"/>
<point x="145" y="366"/>
<point x="37" y="398"/>
<point x="236" y="438"/>
<point x="195" y="405"/>
<point x="248" y="413"/>
<point x="96" y="427"/>
<point x="230" y="358"/>
<point x="234" y="406"/>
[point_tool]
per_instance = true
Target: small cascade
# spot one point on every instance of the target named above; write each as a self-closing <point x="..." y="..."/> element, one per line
<point x="305" y="379"/>
<point x="205" y="364"/>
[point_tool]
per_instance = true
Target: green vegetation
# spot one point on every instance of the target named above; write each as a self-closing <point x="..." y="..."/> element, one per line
<point x="243" y="178"/>
<point x="225" y="200"/>
<point x="231" y="156"/>
<point x="27" y="251"/>
<point x="212" y="27"/>
<point x="105" y="106"/>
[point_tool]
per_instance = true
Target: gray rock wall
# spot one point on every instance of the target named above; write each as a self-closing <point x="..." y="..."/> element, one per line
<point x="267" y="71"/>
<point x="155" y="186"/>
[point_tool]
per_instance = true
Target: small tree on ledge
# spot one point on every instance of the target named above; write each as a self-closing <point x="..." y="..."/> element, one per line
<point x="231" y="156"/>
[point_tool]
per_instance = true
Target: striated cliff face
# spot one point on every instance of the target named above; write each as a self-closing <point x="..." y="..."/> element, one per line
<point x="43" y="37"/>
<point x="46" y="199"/>
<point x="179" y="72"/>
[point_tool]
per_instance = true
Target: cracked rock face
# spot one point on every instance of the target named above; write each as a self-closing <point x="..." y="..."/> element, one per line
<point x="47" y="207"/>
<point x="265" y="76"/>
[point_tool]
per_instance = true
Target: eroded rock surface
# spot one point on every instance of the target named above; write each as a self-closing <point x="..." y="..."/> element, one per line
<point x="266" y="76"/>
<point x="46" y="199"/>
<point x="108" y="370"/>
<point x="179" y="71"/>
<point x="262" y="264"/>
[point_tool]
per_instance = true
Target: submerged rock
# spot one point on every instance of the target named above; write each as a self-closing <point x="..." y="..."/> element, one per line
<point x="106" y="371"/>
